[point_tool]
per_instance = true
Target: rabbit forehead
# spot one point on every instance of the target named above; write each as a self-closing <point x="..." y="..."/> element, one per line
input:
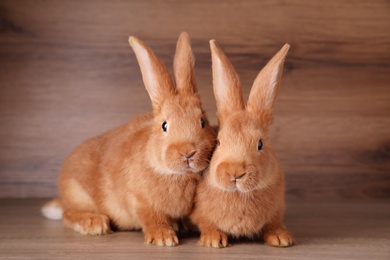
<point x="181" y="106"/>
<point x="182" y="114"/>
<point x="241" y="128"/>
<point x="238" y="138"/>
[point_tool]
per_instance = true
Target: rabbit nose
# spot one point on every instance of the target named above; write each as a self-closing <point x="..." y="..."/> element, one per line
<point x="188" y="155"/>
<point x="235" y="177"/>
<point x="240" y="176"/>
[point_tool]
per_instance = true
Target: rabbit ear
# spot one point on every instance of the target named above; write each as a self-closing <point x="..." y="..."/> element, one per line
<point x="183" y="66"/>
<point x="155" y="75"/>
<point x="266" y="86"/>
<point x="226" y="83"/>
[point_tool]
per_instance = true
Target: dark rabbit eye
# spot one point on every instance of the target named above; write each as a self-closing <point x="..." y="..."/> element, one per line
<point x="165" y="126"/>
<point x="202" y="122"/>
<point x="259" y="145"/>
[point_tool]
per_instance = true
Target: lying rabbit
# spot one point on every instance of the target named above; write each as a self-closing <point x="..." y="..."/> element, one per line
<point x="143" y="174"/>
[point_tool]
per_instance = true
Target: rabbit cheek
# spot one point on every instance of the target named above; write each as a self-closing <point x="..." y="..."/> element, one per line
<point x="201" y="159"/>
<point x="248" y="184"/>
<point x="225" y="182"/>
<point x="250" y="181"/>
<point x="173" y="160"/>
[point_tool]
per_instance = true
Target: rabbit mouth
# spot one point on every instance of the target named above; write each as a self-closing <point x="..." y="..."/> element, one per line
<point x="235" y="185"/>
<point x="193" y="166"/>
<point x="197" y="163"/>
<point x="180" y="166"/>
<point x="238" y="186"/>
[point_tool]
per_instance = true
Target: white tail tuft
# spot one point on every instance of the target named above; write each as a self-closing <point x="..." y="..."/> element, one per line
<point x="52" y="210"/>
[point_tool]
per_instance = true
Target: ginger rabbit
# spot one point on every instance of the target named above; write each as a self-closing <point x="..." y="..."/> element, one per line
<point x="143" y="174"/>
<point x="242" y="192"/>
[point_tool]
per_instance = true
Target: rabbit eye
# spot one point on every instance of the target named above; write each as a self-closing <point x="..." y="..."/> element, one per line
<point x="260" y="145"/>
<point x="202" y="122"/>
<point x="218" y="143"/>
<point x="164" y="126"/>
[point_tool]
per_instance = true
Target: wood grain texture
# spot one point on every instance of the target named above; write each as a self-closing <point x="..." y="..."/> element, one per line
<point x="67" y="74"/>
<point x="322" y="230"/>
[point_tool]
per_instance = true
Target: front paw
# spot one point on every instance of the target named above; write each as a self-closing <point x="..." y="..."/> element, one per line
<point x="213" y="238"/>
<point x="279" y="238"/>
<point x="161" y="237"/>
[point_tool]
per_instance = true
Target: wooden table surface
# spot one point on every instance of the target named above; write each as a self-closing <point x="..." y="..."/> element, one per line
<point x="322" y="229"/>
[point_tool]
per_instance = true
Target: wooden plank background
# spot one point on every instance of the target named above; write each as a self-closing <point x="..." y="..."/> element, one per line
<point x="67" y="74"/>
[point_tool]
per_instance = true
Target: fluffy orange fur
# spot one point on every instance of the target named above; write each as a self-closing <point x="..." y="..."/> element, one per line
<point x="242" y="192"/>
<point x="139" y="176"/>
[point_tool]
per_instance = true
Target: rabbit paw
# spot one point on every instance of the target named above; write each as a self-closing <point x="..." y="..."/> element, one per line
<point x="93" y="225"/>
<point x="213" y="238"/>
<point x="161" y="237"/>
<point x="279" y="238"/>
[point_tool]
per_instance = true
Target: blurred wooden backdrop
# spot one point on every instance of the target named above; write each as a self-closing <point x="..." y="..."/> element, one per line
<point x="67" y="74"/>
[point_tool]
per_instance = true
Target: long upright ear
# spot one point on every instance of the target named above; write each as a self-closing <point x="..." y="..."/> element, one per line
<point x="266" y="86"/>
<point x="183" y="66"/>
<point x="227" y="86"/>
<point x="155" y="75"/>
